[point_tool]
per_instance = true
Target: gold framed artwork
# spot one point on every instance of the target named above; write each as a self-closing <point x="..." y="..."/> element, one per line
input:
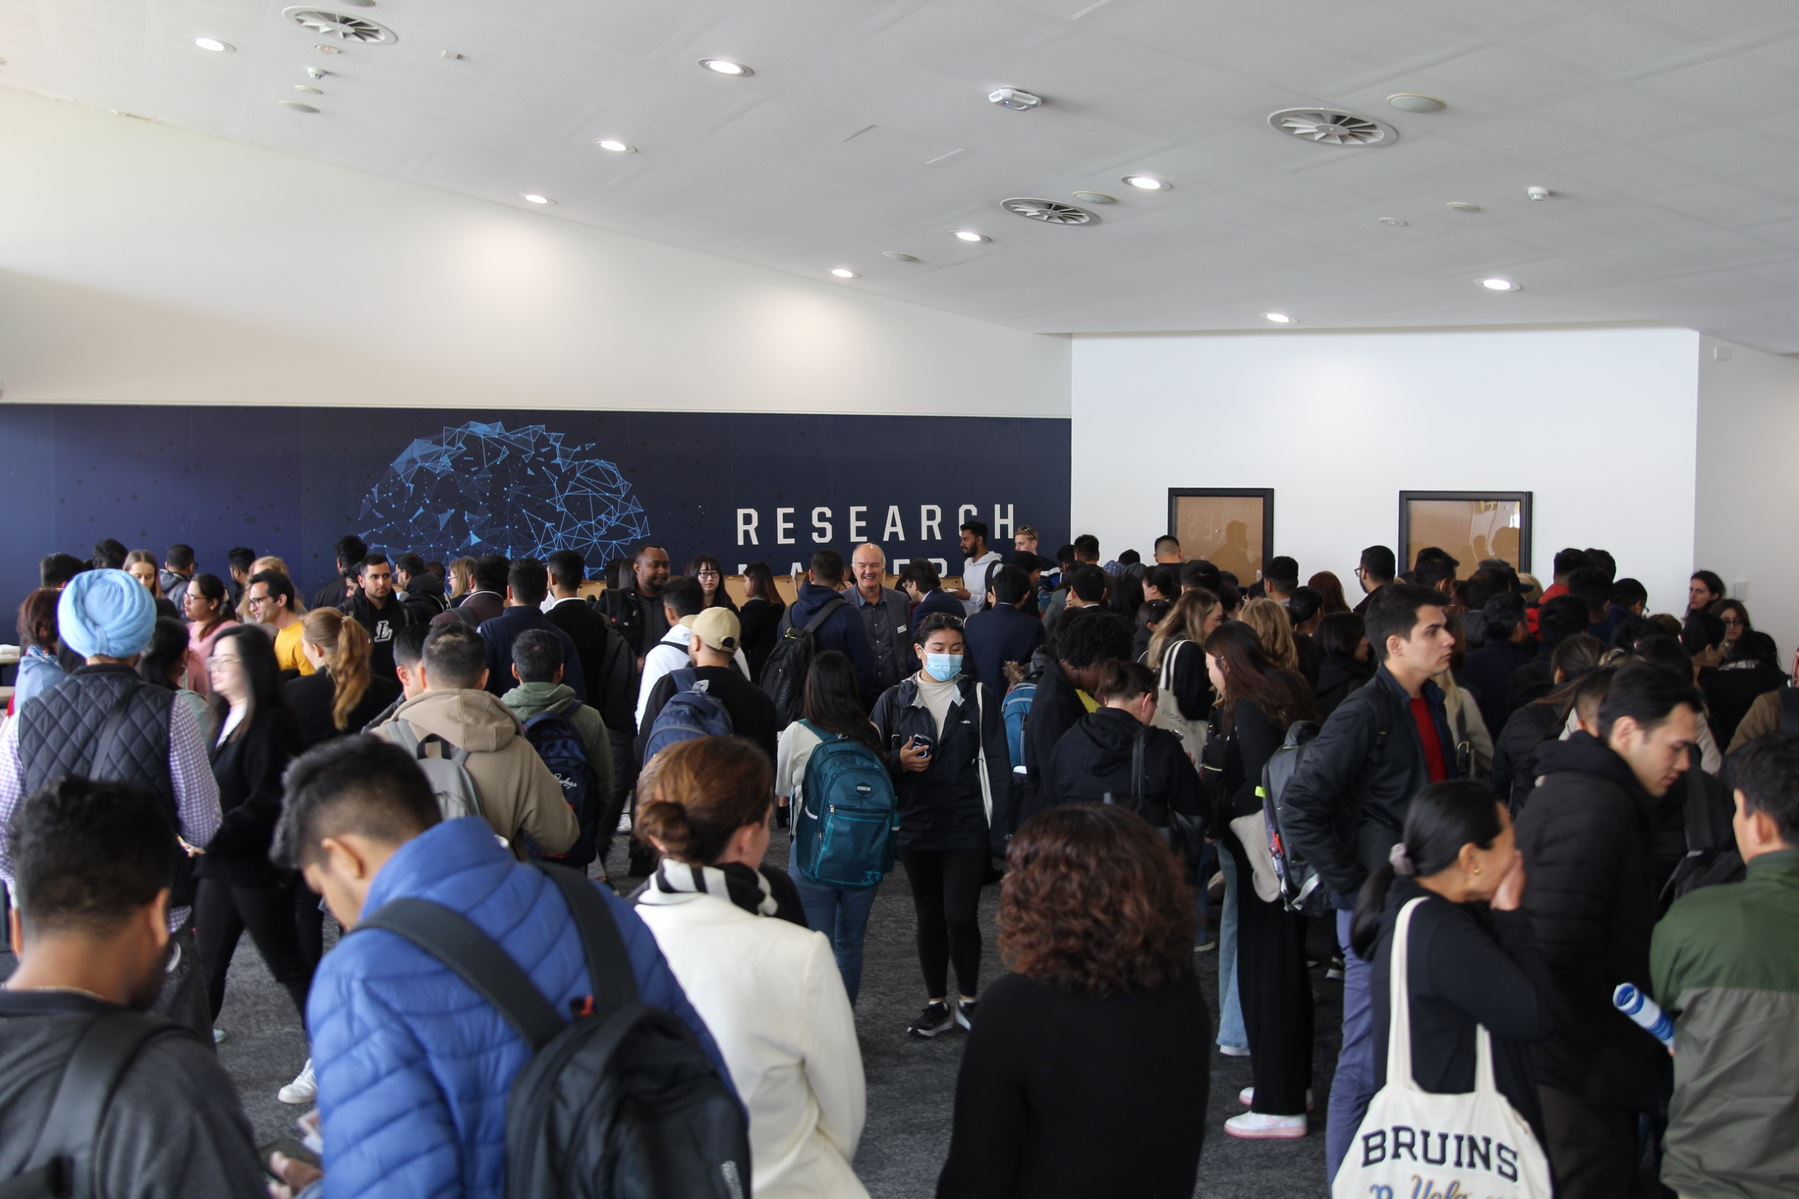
<point x="1230" y="527"/>
<point x="1471" y="525"/>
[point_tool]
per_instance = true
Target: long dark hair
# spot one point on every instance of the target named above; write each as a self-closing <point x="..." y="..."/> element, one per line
<point x="166" y="653"/>
<point x="1251" y="676"/>
<point x="759" y="582"/>
<point x="1330" y="589"/>
<point x="256" y="650"/>
<point x="1438" y="822"/>
<point x="720" y="597"/>
<point x="832" y="702"/>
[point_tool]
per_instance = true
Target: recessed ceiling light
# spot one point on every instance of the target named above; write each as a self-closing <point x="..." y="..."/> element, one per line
<point x="1148" y="183"/>
<point x="1415" y="102"/>
<point x="969" y="235"/>
<point x="309" y="89"/>
<point x="899" y="256"/>
<point x="1462" y="206"/>
<point x="724" y="66"/>
<point x="534" y="198"/>
<point x="1279" y="318"/>
<point x="213" y="44"/>
<point x="1095" y="198"/>
<point x="615" y="146"/>
<point x="843" y="272"/>
<point x="1392" y="222"/>
<point x="296" y="106"/>
<point x="1499" y="284"/>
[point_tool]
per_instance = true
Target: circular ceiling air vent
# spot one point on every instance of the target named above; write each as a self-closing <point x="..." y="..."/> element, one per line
<point x="358" y="31"/>
<point x="1332" y="127"/>
<point x="1050" y="212"/>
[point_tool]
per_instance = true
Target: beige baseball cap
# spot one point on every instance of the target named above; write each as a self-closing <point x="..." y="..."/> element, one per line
<point x="718" y="628"/>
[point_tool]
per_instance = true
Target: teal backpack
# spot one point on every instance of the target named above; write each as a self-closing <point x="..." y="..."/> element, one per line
<point x="846" y="819"/>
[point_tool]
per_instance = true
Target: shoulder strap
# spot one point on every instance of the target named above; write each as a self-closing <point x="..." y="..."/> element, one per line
<point x="109" y="732"/>
<point x="105" y="1051"/>
<point x="684" y="679"/>
<point x="609" y="970"/>
<point x="980" y="759"/>
<point x="1399" y="1012"/>
<point x="1789" y="709"/>
<point x="459" y="943"/>
<point x="1137" y="787"/>
<point x="824" y="612"/>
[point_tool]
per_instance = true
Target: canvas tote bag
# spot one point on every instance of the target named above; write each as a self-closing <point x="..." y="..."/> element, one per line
<point x="1412" y="1142"/>
<point x="1168" y="709"/>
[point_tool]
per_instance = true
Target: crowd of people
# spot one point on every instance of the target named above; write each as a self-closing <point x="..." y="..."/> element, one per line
<point x="1548" y="796"/>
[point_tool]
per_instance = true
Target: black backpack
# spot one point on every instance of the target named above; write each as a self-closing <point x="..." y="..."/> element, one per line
<point x="620" y="1101"/>
<point x="784" y="674"/>
<point x="61" y="1165"/>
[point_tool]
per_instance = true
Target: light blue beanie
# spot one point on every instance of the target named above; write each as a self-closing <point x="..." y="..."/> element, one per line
<point x="106" y="614"/>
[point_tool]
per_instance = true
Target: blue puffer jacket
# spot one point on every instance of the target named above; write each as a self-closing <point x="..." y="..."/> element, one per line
<point x="414" y="1068"/>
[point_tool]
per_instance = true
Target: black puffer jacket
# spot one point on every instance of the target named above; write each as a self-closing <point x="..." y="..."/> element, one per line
<point x="942" y="807"/>
<point x="1093" y="761"/>
<point x="1518" y="748"/>
<point x="1588" y="839"/>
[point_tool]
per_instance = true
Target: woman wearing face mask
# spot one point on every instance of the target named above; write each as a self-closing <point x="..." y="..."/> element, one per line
<point x="1471" y="959"/>
<point x="946" y="747"/>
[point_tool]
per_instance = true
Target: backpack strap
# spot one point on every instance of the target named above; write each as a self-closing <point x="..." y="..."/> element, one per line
<point x="685" y="679"/>
<point x="457" y="942"/>
<point x="609" y="969"/>
<point x="1137" y="786"/>
<point x="1789" y="710"/>
<point x="105" y="1051"/>
<point x="825" y="610"/>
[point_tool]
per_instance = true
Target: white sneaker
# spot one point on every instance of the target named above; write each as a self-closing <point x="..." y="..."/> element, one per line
<point x="1234" y="1050"/>
<point x="1254" y="1126"/>
<point x="303" y="1089"/>
<point x="1247" y="1097"/>
<point x="218" y="1036"/>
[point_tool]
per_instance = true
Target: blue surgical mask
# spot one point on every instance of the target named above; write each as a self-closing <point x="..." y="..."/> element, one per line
<point x="943" y="667"/>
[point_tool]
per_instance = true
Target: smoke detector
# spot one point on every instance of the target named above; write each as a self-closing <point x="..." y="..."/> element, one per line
<point x="1332" y="127"/>
<point x="357" y="31"/>
<point x="1050" y="212"/>
<point x="1014" y="98"/>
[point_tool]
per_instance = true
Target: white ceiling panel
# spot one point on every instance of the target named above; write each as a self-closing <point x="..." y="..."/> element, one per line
<point x="1663" y="127"/>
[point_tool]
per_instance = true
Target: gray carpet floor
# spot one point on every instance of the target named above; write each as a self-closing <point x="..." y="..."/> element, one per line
<point x="911" y="1084"/>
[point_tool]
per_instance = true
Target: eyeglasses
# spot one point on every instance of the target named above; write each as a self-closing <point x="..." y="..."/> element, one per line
<point x="220" y="661"/>
<point x="1730" y="621"/>
<point x="705" y="574"/>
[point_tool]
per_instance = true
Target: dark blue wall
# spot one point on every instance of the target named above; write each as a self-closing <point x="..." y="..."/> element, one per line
<point x="290" y="481"/>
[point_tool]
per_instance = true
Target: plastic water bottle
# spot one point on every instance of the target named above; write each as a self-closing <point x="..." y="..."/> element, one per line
<point x="1645" y="1013"/>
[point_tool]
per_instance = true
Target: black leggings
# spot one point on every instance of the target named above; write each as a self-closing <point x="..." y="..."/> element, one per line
<point x="1277" y="995"/>
<point x="946" y="894"/>
<point x="221" y="914"/>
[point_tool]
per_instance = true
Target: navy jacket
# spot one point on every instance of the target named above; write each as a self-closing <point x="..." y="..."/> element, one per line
<point x="999" y="635"/>
<point x="1488" y="673"/>
<point x="503" y="630"/>
<point x="938" y="601"/>
<point x="942" y="807"/>
<point x="415" y="1069"/>
<point x="842" y="631"/>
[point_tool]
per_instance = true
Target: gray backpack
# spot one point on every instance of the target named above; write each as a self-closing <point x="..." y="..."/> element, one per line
<point x="446" y="770"/>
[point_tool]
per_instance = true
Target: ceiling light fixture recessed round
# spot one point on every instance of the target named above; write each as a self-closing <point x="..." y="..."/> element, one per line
<point x="843" y="272"/>
<point x="1392" y="222"/>
<point x="1148" y="183"/>
<point x="1048" y="212"/>
<point x="214" y="44"/>
<point x="1279" y="318"/>
<point x="1462" y="206"/>
<point x="309" y="89"/>
<point x="724" y="66"/>
<point x="899" y="256"/>
<point x="1095" y="198"/>
<point x="535" y="198"/>
<point x="1497" y="284"/>
<point x="970" y="236"/>
<point x="297" y="106"/>
<point x="355" y="31"/>
<point x="614" y="146"/>
<point x="1332" y="127"/>
<point x="1415" y="102"/>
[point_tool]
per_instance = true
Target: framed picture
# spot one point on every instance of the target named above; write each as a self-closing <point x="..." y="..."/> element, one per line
<point x="1471" y="525"/>
<point x="1230" y="527"/>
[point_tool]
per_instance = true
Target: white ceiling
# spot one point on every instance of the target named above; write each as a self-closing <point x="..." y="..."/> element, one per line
<point x="1666" y="128"/>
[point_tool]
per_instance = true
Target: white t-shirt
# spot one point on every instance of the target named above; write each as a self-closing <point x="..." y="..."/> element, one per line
<point x="974" y="580"/>
<point x="667" y="656"/>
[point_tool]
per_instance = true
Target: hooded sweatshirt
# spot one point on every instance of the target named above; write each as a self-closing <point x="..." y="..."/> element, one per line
<point x="519" y="795"/>
<point x="532" y="699"/>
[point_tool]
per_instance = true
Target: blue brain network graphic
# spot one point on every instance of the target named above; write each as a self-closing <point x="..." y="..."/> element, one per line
<point x="480" y="488"/>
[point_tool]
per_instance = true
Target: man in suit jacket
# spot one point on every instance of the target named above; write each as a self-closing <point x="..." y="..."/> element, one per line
<point x="527" y="583"/>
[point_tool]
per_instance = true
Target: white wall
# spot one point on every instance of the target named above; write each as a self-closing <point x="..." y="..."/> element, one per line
<point x="1748" y="481"/>
<point x="1597" y="423"/>
<point x="142" y="264"/>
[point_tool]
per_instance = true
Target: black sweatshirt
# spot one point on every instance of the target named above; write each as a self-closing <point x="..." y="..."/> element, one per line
<point x="1468" y="966"/>
<point x="1066" y="1094"/>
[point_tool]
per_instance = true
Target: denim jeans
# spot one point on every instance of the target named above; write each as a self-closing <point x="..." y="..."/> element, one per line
<point x="842" y="916"/>
<point x="1230" y="1004"/>
<point x="1353" y="1085"/>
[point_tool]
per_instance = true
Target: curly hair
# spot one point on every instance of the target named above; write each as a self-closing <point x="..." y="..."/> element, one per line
<point x="1094" y="901"/>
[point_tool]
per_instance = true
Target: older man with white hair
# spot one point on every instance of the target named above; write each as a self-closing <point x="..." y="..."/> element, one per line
<point x="883" y="613"/>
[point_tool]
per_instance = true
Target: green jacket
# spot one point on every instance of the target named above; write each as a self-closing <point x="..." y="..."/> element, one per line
<point x="531" y="699"/>
<point x="1725" y="964"/>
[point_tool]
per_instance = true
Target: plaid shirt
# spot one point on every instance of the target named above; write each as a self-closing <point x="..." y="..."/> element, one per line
<point x="190" y="770"/>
